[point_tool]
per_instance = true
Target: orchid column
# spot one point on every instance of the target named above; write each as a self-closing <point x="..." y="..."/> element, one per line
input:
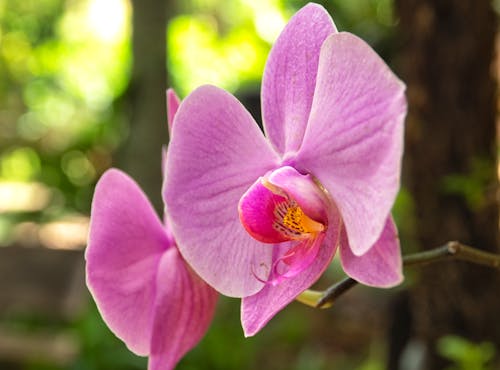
<point x="261" y="217"/>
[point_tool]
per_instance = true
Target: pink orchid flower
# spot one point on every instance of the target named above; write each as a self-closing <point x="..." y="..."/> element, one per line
<point x="146" y="293"/>
<point x="261" y="217"/>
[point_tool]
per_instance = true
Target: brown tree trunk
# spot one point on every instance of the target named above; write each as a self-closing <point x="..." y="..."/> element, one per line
<point x="450" y="163"/>
<point x="141" y="155"/>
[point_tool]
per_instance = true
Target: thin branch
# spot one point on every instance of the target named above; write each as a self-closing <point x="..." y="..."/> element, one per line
<point x="451" y="250"/>
<point x="455" y="250"/>
<point x="331" y="294"/>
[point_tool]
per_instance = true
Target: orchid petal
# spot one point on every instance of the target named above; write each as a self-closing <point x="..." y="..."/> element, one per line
<point x="381" y="266"/>
<point x="183" y="310"/>
<point x="173" y="103"/>
<point x="167" y="227"/>
<point x="354" y="140"/>
<point x="258" y="309"/>
<point x="126" y="242"/>
<point x="290" y="76"/>
<point x="216" y="153"/>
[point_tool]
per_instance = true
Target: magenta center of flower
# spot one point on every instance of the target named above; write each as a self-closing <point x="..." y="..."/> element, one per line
<point x="286" y="209"/>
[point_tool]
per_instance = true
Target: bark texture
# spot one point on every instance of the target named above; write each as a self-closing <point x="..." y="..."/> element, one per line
<point x="447" y="60"/>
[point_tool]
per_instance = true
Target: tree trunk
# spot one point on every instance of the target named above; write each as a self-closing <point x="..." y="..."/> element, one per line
<point x="447" y="59"/>
<point x="141" y="155"/>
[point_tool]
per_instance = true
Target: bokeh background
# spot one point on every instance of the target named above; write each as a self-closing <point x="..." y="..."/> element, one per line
<point x="82" y="89"/>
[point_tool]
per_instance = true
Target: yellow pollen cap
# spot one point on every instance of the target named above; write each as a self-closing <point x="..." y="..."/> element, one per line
<point x="293" y="222"/>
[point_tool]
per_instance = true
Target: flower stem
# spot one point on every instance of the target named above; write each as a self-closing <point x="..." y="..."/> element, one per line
<point x="451" y="250"/>
<point x="454" y="250"/>
<point x="310" y="297"/>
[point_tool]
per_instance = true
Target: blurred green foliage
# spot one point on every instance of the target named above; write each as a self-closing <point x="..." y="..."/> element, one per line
<point x="471" y="186"/>
<point x="226" y="43"/>
<point x="61" y="72"/>
<point x="466" y="355"/>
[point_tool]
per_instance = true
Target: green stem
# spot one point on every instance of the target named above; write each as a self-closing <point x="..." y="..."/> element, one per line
<point x="451" y="250"/>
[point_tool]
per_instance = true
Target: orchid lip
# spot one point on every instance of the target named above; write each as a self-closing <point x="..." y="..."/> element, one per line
<point x="286" y="206"/>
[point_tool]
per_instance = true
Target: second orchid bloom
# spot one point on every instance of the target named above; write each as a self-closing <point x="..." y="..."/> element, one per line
<point x="146" y="293"/>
